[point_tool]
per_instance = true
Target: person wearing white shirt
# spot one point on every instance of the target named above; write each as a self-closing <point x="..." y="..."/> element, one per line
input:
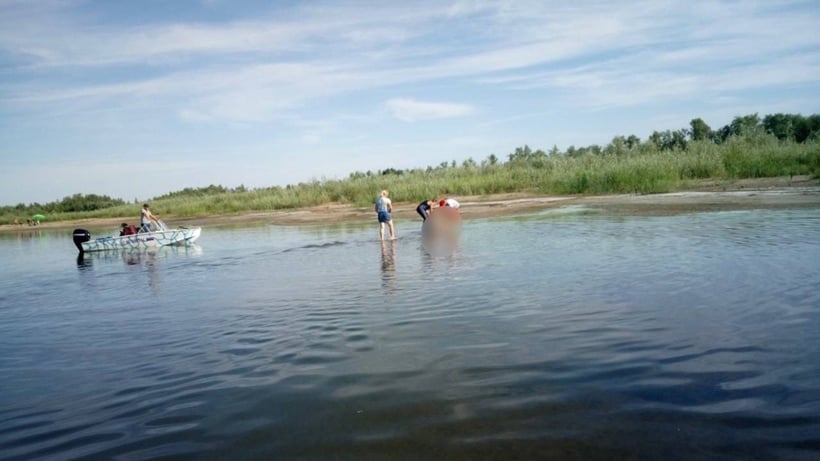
<point x="145" y="219"/>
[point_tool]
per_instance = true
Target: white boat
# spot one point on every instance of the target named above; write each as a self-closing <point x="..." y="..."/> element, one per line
<point x="138" y="241"/>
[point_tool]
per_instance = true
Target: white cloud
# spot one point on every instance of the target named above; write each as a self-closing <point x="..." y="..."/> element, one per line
<point x="619" y="56"/>
<point x="282" y="76"/>
<point x="410" y="110"/>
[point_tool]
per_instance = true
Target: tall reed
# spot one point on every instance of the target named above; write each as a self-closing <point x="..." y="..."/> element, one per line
<point x="645" y="169"/>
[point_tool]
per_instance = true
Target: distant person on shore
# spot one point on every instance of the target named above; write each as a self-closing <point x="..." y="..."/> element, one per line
<point x="145" y="219"/>
<point x="384" y="207"/>
<point x="424" y="209"/>
<point x="128" y="230"/>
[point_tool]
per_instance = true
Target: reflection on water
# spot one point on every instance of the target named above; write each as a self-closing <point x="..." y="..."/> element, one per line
<point x="559" y="336"/>
<point x="28" y="234"/>
<point x="146" y="262"/>
<point x="388" y="248"/>
<point x="440" y="253"/>
<point x="84" y="263"/>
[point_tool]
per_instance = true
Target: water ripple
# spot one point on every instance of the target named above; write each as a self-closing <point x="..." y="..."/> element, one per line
<point x="566" y="336"/>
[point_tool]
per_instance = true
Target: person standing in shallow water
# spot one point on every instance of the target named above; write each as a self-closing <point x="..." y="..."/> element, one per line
<point x="384" y="208"/>
<point x="424" y="209"/>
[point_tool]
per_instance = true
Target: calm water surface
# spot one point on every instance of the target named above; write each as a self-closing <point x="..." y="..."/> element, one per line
<point x="566" y="334"/>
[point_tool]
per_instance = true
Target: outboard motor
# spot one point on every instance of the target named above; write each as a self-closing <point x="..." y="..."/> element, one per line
<point x="80" y="236"/>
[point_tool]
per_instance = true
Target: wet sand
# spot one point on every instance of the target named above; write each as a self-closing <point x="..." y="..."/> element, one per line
<point x="700" y="196"/>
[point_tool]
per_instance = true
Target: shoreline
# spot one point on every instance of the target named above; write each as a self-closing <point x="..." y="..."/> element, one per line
<point x="707" y="195"/>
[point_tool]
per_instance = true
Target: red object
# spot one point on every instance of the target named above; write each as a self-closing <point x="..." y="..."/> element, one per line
<point x="442" y="203"/>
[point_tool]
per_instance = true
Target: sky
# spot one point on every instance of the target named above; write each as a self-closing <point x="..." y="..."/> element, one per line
<point x="135" y="99"/>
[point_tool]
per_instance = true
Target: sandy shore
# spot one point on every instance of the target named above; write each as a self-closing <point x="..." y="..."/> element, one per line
<point x="701" y="196"/>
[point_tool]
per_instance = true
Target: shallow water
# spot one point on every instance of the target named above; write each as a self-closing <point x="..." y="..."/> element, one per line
<point x="566" y="334"/>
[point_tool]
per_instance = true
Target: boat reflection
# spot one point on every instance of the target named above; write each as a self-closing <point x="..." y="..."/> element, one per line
<point x="83" y="262"/>
<point x="132" y="257"/>
<point x="149" y="260"/>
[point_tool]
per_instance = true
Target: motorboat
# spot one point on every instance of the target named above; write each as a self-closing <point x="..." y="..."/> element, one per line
<point x="163" y="236"/>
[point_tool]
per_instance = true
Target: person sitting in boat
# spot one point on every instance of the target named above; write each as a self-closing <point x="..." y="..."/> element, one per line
<point x="424" y="209"/>
<point x="145" y="219"/>
<point x="128" y="229"/>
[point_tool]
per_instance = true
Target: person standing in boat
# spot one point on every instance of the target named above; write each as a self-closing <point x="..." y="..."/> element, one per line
<point x="145" y="219"/>
<point x="424" y="209"/>
<point x="384" y="207"/>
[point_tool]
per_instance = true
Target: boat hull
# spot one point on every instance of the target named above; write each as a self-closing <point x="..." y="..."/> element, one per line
<point x="144" y="240"/>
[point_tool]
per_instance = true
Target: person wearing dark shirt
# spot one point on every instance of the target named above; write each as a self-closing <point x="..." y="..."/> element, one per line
<point x="128" y="230"/>
<point x="424" y="209"/>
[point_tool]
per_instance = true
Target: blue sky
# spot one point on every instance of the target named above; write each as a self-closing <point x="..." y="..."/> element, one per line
<point x="137" y="99"/>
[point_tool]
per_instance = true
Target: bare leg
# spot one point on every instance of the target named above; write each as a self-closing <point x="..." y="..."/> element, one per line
<point x="381" y="231"/>
<point x="392" y="230"/>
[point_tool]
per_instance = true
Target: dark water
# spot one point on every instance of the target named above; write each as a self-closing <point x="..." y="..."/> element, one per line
<point x="563" y="335"/>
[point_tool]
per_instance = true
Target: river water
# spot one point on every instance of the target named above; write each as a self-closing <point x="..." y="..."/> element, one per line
<point x="566" y="334"/>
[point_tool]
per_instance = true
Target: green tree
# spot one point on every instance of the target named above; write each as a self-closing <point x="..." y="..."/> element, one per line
<point x="780" y="126"/>
<point x="521" y="153"/>
<point x="813" y="121"/>
<point x="720" y="136"/>
<point x="700" y="131"/>
<point x="80" y="202"/>
<point x="617" y="146"/>
<point x="668" y="140"/>
<point x="745" y="125"/>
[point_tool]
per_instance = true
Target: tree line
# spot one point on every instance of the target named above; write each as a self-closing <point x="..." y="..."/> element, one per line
<point x="71" y="204"/>
<point x="91" y="202"/>
<point x="783" y="127"/>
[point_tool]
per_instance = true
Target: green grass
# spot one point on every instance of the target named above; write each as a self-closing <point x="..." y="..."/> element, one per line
<point x="642" y="170"/>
